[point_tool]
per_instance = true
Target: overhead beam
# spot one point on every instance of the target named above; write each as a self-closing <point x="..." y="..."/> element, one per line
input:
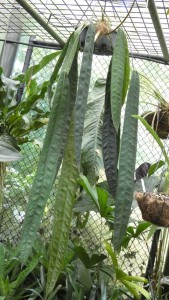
<point x="41" y="21"/>
<point x="157" y="25"/>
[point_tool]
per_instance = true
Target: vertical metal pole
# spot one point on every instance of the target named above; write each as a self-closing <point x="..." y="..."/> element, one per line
<point x="8" y="52"/>
<point x="152" y="257"/>
<point x="25" y="67"/>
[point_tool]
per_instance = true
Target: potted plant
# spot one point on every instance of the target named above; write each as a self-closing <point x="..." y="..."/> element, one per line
<point x="155" y="205"/>
<point x="159" y="118"/>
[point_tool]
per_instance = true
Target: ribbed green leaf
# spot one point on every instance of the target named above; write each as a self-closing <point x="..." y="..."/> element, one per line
<point x="92" y="160"/>
<point x="2" y="260"/>
<point x="66" y="57"/>
<point x="72" y="50"/>
<point x="125" y="185"/>
<point x="22" y="276"/>
<point x="109" y="143"/>
<point x="57" y="68"/>
<point x="118" y="71"/>
<point x="126" y="72"/>
<point x="48" y="164"/>
<point x="83" y="89"/>
<point x="65" y="197"/>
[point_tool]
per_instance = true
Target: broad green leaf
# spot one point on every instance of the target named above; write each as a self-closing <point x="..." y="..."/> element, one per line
<point x="48" y="164"/>
<point x="142" y="227"/>
<point x="103" y="200"/>
<point x="82" y="255"/>
<point x="84" y="277"/>
<point x="36" y="68"/>
<point x="109" y="142"/>
<point x="84" y="203"/>
<point x="29" y="103"/>
<point x="92" y="160"/>
<point x="8" y="152"/>
<point x="131" y="288"/>
<point x="118" y="70"/>
<point x="167" y="11"/>
<point x="96" y="258"/>
<point x="125" y="185"/>
<point x="65" y="197"/>
<point x="92" y="192"/>
<point x="137" y="288"/>
<point x="8" y="92"/>
<point x="112" y="255"/>
<point x="83" y="89"/>
<point x="153" y="168"/>
<point x="155" y="136"/>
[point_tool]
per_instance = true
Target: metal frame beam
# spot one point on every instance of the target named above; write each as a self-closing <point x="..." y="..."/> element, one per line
<point x="157" y="25"/>
<point x="41" y="21"/>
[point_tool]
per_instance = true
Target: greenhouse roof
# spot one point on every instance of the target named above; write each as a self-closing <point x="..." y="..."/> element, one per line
<point x="145" y="22"/>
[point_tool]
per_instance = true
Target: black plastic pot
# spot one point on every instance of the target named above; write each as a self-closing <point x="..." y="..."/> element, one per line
<point x="103" y="46"/>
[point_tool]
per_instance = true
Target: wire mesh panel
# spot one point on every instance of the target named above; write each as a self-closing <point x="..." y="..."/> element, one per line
<point x="20" y="175"/>
<point x="142" y="39"/>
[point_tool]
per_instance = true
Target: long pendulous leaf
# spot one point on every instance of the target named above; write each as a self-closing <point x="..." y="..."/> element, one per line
<point x="109" y="142"/>
<point x="125" y="185"/>
<point x="119" y="77"/>
<point x="126" y="72"/>
<point x="65" y="197"/>
<point x="48" y="165"/>
<point x="83" y="89"/>
<point x="92" y="160"/>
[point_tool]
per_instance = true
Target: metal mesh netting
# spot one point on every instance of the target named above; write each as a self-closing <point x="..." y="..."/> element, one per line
<point x="64" y="17"/>
<point x="20" y="175"/>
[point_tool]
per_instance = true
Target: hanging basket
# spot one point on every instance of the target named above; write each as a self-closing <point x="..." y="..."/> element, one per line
<point x="103" y="45"/>
<point x="154" y="208"/>
<point x="160" y="122"/>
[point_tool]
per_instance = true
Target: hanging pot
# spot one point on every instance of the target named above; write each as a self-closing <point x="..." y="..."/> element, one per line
<point x="154" y="207"/>
<point x="103" y="45"/>
<point x="160" y="122"/>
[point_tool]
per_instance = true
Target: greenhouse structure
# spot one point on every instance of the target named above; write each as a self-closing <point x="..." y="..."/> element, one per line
<point x="84" y="149"/>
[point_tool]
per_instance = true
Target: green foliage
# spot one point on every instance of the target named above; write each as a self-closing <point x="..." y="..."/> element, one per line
<point x="26" y="77"/>
<point x="119" y="77"/>
<point x="83" y="89"/>
<point x="65" y="197"/>
<point x="155" y="136"/>
<point x="99" y="197"/>
<point x="49" y="161"/>
<point x="154" y="167"/>
<point x="92" y="160"/>
<point x="121" y="277"/>
<point x="109" y="141"/>
<point x="125" y="184"/>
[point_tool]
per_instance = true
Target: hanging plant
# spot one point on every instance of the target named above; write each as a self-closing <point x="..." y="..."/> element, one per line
<point x="159" y="118"/>
<point x="105" y="37"/>
<point x="155" y="206"/>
